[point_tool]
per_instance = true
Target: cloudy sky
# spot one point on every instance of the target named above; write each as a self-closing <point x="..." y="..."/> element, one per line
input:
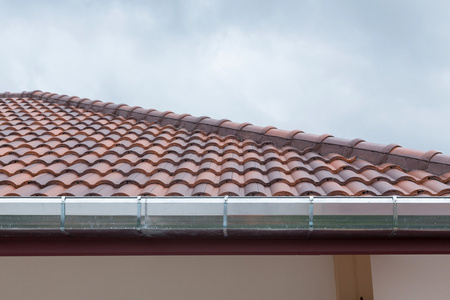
<point x="377" y="70"/>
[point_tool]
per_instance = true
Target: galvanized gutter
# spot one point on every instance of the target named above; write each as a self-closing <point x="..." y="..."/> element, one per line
<point x="226" y="217"/>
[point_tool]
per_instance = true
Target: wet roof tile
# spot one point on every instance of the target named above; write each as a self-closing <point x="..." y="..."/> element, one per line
<point x="64" y="148"/>
<point x="127" y="190"/>
<point x="52" y="190"/>
<point x="229" y="189"/>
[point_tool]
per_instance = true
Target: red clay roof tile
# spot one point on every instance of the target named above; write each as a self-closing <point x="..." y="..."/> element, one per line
<point x="102" y="190"/>
<point x="128" y="189"/>
<point x="154" y="189"/>
<point x="358" y="188"/>
<point x="6" y="189"/>
<point x="30" y="189"/>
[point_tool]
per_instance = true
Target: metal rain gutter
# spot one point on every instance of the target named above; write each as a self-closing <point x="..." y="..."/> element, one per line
<point x="306" y="217"/>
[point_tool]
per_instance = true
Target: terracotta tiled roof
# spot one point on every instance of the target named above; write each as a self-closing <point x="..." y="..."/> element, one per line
<point x="55" y="145"/>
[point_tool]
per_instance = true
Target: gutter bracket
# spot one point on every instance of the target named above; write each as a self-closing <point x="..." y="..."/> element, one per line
<point x="311" y="215"/>
<point x="138" y="216"/>
<point x="63" y="215"/>
<point x="395" y="217"/>
<point x="146" y="215"/>
<point x="225" y="216"/>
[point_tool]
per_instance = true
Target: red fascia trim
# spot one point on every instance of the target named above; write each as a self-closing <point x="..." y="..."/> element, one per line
<point x="196" y="246"/>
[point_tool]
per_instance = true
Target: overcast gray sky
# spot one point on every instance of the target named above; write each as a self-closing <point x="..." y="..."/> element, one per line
<point x="377" y="70"/>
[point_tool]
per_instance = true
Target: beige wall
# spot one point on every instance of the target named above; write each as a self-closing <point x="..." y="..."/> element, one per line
<point x="398" y="277"/>
<point x="168" y="277"/>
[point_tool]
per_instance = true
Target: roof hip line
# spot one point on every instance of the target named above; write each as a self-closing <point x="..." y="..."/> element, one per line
<point x="408" y="159"/>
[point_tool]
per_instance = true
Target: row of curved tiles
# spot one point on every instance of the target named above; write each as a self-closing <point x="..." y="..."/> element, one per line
<point x="57" y="151"/>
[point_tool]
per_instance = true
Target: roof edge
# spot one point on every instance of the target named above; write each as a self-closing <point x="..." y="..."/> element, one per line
<point x="408" y="159"/>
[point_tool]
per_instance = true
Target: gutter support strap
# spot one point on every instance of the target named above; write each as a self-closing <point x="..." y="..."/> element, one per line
<point x="225" y="216"/>
<point x="63" y="213"/>
<point x="138" y="219"/>
<point x="311" y="214"/>
<point x="394" y="215"/>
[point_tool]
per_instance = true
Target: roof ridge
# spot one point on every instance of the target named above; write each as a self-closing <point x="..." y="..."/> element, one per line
<point x="432" y="161"/>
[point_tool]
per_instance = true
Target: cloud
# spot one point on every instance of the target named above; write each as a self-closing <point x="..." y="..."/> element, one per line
<point x="377" y="70"/>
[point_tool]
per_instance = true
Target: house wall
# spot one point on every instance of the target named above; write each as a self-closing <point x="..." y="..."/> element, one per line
<point x="168" y="277"/>
<point x="411" y="277"/>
